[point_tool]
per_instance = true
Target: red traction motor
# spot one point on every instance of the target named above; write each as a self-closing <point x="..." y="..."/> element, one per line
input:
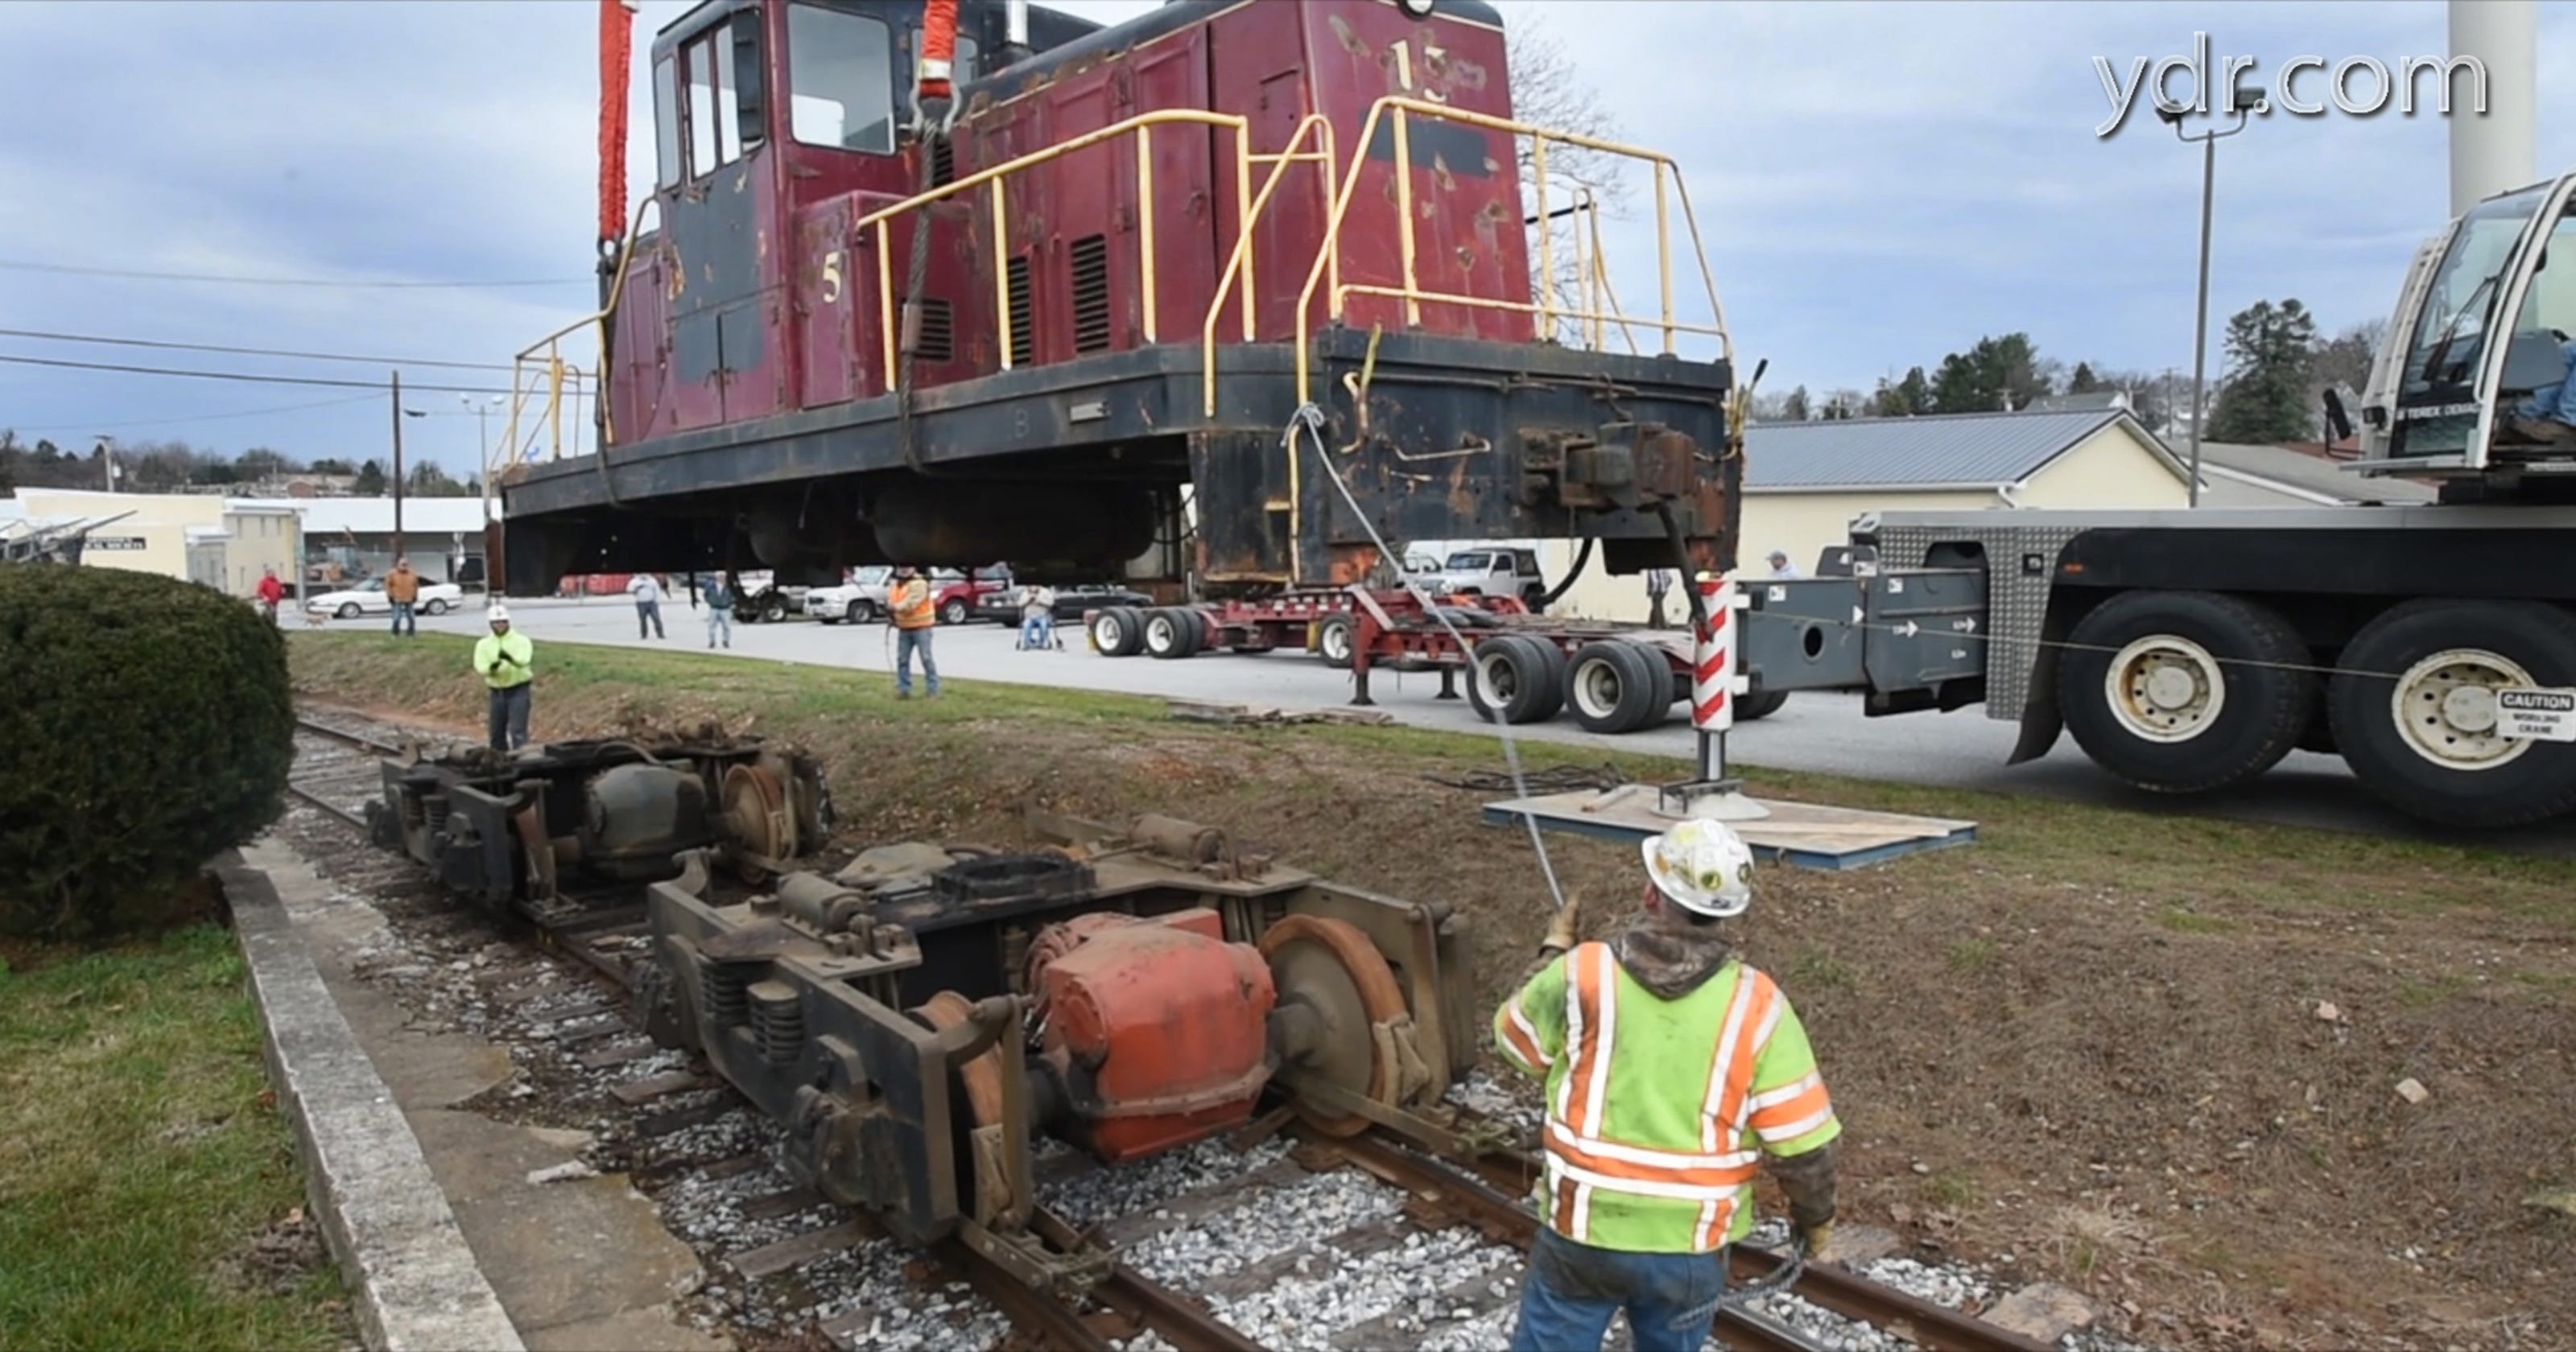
<point x="1155" y="1031"/>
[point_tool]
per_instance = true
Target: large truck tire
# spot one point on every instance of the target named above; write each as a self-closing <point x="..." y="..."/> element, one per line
<point x="1334" y="635"/>
<point x="2185" y="691"/>
<point x="1618" y="687"/>
<point x="1515" y="678"/>
<point x="1759" y="704"/>
<point x="2412" y="712"/>
<point x="1172" y="631"/>
<point x="1118" y="631"/>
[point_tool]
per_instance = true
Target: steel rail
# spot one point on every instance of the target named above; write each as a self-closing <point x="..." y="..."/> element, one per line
<point x="1038" y="1313"/>
<point x="1926" y="1324"/>
<point x="326" y="805"/>
<point x="345" y="737"/>
<point x="1183" y="1322"/>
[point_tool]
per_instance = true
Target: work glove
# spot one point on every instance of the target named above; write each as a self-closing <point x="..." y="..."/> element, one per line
<point x="1816" y="1241"/>
<point x="1561" y="931"/>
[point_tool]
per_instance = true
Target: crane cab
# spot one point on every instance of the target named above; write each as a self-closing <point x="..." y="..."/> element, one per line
<point x="2468" y="382"/>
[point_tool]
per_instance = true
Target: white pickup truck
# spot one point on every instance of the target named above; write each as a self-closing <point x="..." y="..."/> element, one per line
<point x="859" y="600"/>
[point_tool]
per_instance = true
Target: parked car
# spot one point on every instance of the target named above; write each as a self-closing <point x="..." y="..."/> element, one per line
<point x="956" y="596"/>
<point x="859" y="600"/>
<point x="760" y="600"/>
<point x="368" y="598"/>
<point x="1003" y="604"/>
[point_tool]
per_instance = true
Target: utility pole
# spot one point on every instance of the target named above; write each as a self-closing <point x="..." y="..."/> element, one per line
<point x="398" y="465"/>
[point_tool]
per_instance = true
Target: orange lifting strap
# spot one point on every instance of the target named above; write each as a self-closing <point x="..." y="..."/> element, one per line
<point x="938" y="48"/>
<point x="616" y="53"/>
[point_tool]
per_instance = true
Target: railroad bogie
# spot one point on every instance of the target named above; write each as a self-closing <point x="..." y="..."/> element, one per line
<point x="918" y="1019"/>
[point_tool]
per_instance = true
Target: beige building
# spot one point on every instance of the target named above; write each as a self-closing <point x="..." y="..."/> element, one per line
<point x="1805" y="482"/>
<point x="224" y="543"/>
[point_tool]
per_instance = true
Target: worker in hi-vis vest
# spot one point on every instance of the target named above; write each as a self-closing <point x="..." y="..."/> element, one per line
<point x="1672" y="1069"/>
<point x="914" y="621"/>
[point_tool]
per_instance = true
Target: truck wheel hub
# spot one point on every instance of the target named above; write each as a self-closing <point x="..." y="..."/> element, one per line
<point x="2445" y="707"/>
<point x="2165" y="689"/>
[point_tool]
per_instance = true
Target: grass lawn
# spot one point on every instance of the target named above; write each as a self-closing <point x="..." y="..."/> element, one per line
<point x="149" y="1194"/>
<point x="2148" y="1054"/>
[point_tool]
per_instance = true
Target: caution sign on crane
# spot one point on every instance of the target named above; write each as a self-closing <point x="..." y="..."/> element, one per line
<point x="2537" y="715"/>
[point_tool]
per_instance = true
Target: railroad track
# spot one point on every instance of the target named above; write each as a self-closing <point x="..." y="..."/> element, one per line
<point x="688" y="1138"/>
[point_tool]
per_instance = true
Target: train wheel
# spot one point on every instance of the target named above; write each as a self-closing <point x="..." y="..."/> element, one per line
<point x="1118" y="631"/>
<point x="2414" y="710"/>
<point x="982" y="1079"/>
<point x="1171" y="631"/>
<point x="2184" y="692"/>
<point x="757" y="818"/>
<point x="1617" y="687"/>
<point x="1334" y="635"/>
<point x="1330" y="971"/>
<point x="1515" y="676"/>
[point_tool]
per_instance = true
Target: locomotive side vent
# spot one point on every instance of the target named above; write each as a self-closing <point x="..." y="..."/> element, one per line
<point x="943" y="162"/>
<point x="1024" y="320"/>
<point x="1091" y="294"/>
<point x="938" y="330"/>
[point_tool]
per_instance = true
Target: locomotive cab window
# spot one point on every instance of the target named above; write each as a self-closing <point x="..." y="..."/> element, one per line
<point x="666" y="122"/>
<point x="840" y="80"/>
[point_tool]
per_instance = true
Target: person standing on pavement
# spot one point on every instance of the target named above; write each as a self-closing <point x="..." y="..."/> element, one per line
<point x="402" y="588"/>
<point x="914" y="619"/>
<point x="647" y="591"/>
<point x="502" y="658"/>
<point x="1659" y="584"/>
<point x="719" y="598"/>
<point x="272" y="593"/>
<point x="1672" y="1068"/>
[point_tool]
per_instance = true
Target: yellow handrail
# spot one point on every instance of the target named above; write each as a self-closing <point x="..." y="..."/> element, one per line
<point x="1241" y="260"/>
<point x="1412" y="293"/>
<point x="554" y="370"/>
<point x="1142" y="123"/>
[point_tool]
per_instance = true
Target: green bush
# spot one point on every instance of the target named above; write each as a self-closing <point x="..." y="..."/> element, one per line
<point x="146" y="725"/>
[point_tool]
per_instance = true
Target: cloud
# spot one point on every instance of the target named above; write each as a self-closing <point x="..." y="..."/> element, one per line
<point x="1878" y="184"/>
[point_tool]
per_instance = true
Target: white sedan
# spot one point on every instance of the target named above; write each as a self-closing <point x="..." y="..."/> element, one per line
<point x="368" y="598"/>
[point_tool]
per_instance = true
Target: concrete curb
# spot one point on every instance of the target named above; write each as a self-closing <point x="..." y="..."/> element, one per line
<point x="414" y="1280"/>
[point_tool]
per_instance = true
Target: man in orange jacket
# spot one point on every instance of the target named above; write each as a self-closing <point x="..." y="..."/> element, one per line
<point x="402" y="588"/>
<point x="914" y="620"/>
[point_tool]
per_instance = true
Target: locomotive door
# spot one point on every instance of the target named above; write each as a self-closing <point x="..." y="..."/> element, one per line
<point x="726" y="358"/>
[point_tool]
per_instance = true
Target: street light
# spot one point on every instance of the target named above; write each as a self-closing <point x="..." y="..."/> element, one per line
<point x="483" y="442"/>
<point x="2241" y="103"/>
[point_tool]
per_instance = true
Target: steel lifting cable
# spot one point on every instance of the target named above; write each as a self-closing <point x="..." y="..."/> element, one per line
<point x="1309" y="420"/>
<point x="933" y="87"/>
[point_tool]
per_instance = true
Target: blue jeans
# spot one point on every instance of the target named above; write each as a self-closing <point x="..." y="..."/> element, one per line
<point x="2555" y="402"/>
<point x="403" y="619"/>
<point x="507" y="717"/>
<point x="1572" y="1291"/>
<point x="720" y="621"/>
<point x="906" y="643"/>
<point x="1037" y="631"/>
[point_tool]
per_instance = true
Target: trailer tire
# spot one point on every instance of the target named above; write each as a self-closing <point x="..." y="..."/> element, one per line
<point x="1617" y="687"/>
<point x="1118" y="631"/>
<point x="1515" y="678"/>
<point x="773" y="609"/>
<point x="2185" y="691"/>
<point x="1759" y="704"/>
<point x="2439" y="765"/>
<point x="1334" y="635"/>
<point x="1171" y="631"/>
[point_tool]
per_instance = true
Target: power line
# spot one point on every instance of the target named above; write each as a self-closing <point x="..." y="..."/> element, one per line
<point x="15" y="265"/>
<point x="315" y="381"/>
<point x="94" y="426"/>
<point x="253" y="351"/>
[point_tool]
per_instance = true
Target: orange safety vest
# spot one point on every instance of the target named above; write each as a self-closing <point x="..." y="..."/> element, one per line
<point x="911" y="603"/>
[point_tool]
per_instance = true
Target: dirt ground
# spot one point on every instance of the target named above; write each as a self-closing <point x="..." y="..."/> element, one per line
<point x="2171" y="1063"/>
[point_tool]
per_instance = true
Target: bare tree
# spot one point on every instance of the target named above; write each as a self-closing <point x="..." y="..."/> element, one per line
<point x="1548" y="92"/>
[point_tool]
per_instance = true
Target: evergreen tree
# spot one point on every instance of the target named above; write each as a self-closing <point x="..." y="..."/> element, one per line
<point x="371" y="480"/>
<point x="2270" y="349"/>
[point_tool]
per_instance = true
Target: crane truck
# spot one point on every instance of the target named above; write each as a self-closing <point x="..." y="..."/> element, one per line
<point x="2432" y="647"/>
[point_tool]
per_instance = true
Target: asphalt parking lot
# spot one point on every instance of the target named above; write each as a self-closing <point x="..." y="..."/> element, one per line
<point x="1824" y="733"/>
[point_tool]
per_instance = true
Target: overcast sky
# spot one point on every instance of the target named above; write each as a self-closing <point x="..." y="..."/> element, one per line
<point x="1882" y="184"/>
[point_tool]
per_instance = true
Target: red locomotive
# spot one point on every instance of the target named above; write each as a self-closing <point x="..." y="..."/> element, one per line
<point x="1071" y="321"/>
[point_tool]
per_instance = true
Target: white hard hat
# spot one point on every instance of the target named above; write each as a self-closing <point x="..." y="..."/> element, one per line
<point x="498" y="614"/>
<point x="1702" y="866"/>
